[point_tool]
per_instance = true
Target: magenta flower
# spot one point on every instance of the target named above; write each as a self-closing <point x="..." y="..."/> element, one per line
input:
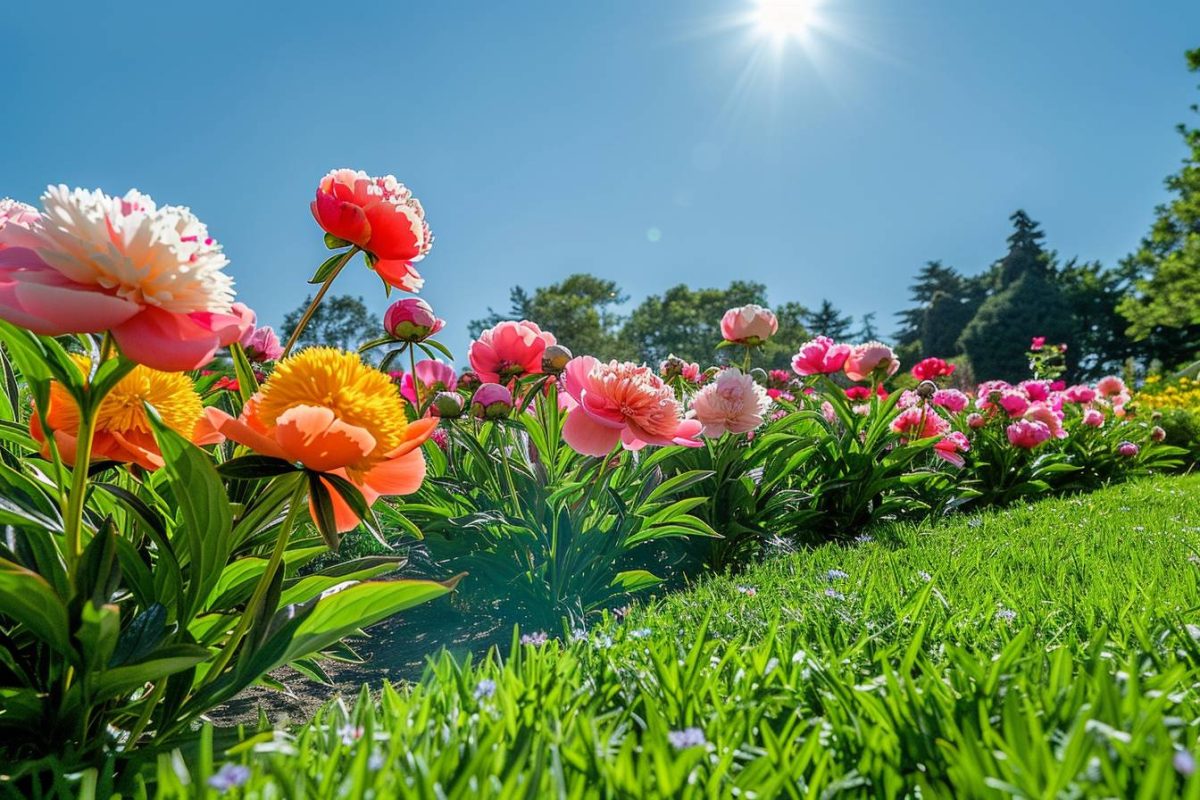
<point x="509" y="350"/>
<point x="434" y="375"/>
<point x="952" y="400"/>
<point x="1028" y="434"/>
<point x="411" y="320"/>
<point x="820" y="356"/>
<point x="261" y="344"/>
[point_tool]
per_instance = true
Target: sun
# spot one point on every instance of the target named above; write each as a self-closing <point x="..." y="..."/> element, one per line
<point x="784" y="19"/>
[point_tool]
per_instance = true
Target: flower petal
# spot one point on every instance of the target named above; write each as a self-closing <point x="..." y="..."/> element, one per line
<point x="587" y="437"/>
<point x="314" y="436"/>
<point x="400" y="475"/>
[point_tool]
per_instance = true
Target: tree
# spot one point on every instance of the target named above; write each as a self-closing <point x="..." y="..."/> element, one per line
<point x="340" y="321"/>
<point x="1094" y="295"/>
<point x="1163" y="307"/>
<point x="828" y="321"/>
<point x="685" y="322"/>
<point x="1028" y="302"/>
<point x="931" y="280"/>
<point x="580" y="311"/>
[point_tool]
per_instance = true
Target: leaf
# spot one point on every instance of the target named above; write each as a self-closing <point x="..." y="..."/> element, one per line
<point x="157" y="665"/>
<point x="28" y="598"/>
<point x="322" y="505"/>
<point x="634" y="580"/>
<point x="247" y="380"/>
<point x="340" y="611"/>
<point x="141" y="636"/>
<point x="327" y="267"/>
<point x="203" y="510"/>
<point x="335" y="243"/>
<point x="252" y="467"/>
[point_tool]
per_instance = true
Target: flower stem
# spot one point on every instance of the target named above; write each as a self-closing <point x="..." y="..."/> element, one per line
<point x="264" y="582"/>
<point x="73" y="521"/>
<point x="312" y="307"/>
<point x="412" y="363"/>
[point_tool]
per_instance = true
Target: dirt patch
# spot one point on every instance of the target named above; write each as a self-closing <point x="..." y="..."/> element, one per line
<point x="395" y="650"/>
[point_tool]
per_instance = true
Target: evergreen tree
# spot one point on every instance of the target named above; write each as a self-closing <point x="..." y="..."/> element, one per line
<point x="828" y="321"/>
<point x="1163" y="308"/>
<point x="1028" y="302"/>
<point x="931" y="280"/>
<point x="1094" y="295"/>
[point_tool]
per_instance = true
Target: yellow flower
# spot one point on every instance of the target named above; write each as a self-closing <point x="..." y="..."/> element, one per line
<point x="122" y="430"/>
<point x="358" y="395"/>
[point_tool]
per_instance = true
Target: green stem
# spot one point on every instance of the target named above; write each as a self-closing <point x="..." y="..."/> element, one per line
<point x="412" y="363"/>
<point x="73" y="522"/>
<point x="264" y="582"/>
<point x="312" y="307"/>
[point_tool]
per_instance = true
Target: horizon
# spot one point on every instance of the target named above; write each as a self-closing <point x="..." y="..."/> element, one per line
<point x="663" y="147"/>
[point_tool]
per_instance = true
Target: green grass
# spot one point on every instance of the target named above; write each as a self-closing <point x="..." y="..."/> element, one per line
<point x="1042" y="651"/>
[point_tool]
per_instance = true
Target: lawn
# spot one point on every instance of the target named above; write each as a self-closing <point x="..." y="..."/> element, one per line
<point x="1045" y="650"/>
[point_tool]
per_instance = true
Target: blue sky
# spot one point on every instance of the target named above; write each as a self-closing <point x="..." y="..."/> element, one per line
<point x="651" y="142"/>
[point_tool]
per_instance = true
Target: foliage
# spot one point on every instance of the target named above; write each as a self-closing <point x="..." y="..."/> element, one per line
<point x="1029" y="652"/>
<point x="340" y="321"/>
<point x="996" y="339"/>
<point x="131" y="602"/>
<point x="1164" y="307"/>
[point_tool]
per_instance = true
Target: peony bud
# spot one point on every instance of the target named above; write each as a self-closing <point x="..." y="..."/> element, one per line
<point x="555" y="359"/>
<point x="975" y="421"/>
<point x="261" y="344"/>
<point x="1157" y="434"/>
<point x="491" y="401"/>
<point x="926" y="389"/>
<point x="1127" y="449"/>
<point x="411" y="320"/>
<point x="448" y="405"/>
<point x="469" y="381"/>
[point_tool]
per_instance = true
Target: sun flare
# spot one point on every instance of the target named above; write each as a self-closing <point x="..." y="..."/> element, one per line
<point x="784" y="19"/>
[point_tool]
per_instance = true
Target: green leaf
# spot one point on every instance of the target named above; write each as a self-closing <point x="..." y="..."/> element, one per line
<point x="142" y="635"/>
<point x="157" y="665"/>
<point x="341" y="611"/>
<point x="335" y="243"/>
<point x="253" y="467"/>
<point x="322" y="504"/>
<point x="29" y="599"/>
<point x="634" y="580"/>
<point x="203" y="511"/>
<point x="327" y="267"/>
<point x="247" y="379"/>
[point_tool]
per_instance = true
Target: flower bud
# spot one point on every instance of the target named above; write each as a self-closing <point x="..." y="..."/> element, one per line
<point x="491" y="401"/>
<point x="1127" y="449"/>
<point x="448" y="405"/>
<point x="555" y="359"/>
<point x="469" y="381"/>
<point x="1157" y="433"/>
<point x="261" y="344"/>
<point x="975" y="421"/>
<point x="411" y="320"/>
<point x="926" y="389"/>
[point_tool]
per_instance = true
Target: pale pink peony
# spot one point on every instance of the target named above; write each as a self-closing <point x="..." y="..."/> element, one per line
<point x="381" y="216"/>
<point x="732" y="402"/>
<point x="830" y="415"/>
<point x="1111" y="386"/>
<point x="1048" y="416"/>
<point x="435" y="376"/>
<point x="871" y="359"/>
<point x="1093" y="418"/>
<point x="820" y="356"/>
<point x="750" y="324"/>
<point x="621" y="403"/>
<point x="1028" y="434"/>
<point x="951" y="447"/>
<point x="14" y="212"/>
<point x="509" y="350"/>
<point x="952" y="400"/>
<point x="92" y="263"/>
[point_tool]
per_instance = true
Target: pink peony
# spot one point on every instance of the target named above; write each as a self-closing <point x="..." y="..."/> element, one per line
<point x="491" y="401"/>
<point x="14" y="212"/>
<point x="1045" y="414"/>
<point x="1080" y="394"/>
<point x="733" y="402"/>
<point x="261" y="344"/>
<point x="1111" y="386"/>
<point x="952" y="400"/>
<point x="434" y="375"/>
<point x="919" y="423"/>
<point x="930" y="369"/>
<point x="1037" y="343"/>
<point x="621" y="403"/>
<point x="1036" y="391"/>
<point x="1028" y="434"/>
<point x="1013" y="402"/>
<point x="411" y="320"/>
<point x="820" y="356"/>
<point x="676" y="367"/>
<point x="871" y="359"/>
<point x="908" y="399"/>
<point x="951" y="447"/>
<point x="1127" y="449"/>
<point x="509" y="350"/>
<point x="975" y="421"/>
<point x="92" y="263"/>
<point x="830" y="415"/>
<point x="381" y="216"/>
<point x="749" y="325"/>
<point x="1093" y="418"/>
